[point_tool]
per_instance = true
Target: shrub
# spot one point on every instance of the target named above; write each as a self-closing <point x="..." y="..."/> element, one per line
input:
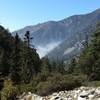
<point x="9" y="92"/>
<point x="44" y="88"/>
<point x="92" y="84"/>
<point x="25" y="88"/>
<point x="59" y="82"/>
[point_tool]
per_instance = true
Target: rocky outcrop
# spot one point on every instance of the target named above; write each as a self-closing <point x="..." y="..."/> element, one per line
<point x="82" y="93"/>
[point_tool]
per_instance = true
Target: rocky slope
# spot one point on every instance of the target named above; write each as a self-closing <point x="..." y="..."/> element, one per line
<point x="50" y="34"/>
<point x="71" y="47"/>
<point x="82" y="93"/>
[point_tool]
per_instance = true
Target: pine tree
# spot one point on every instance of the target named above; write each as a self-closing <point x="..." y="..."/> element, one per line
<point x="72" y="66"/>
<point x="30" y="60"/>
<point x="6" y="46"/>
<point x="86" y="41"/>
<point x="4" y="66"/>
<point x="15" y="70"/>
<point x="89" y="61"/>
<point x="96" y="54"/>
<point x="45" y="66"/>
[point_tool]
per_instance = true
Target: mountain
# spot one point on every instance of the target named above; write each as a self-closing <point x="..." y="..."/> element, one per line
<point x="73" y="46"/>
<point x="57" y="39"/>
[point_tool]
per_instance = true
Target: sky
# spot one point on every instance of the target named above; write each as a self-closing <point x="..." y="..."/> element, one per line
<point x="16" y="14"/>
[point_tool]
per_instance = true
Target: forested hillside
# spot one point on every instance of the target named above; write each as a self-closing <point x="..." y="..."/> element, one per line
<point x="21" y="69"/>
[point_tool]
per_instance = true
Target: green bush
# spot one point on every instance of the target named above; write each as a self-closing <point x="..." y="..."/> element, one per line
<point x="44" y="88"/>
<point x="9" y="92"/>
<point x="92" y="84"/>
<point x="25" y="88"/>
<point x="59" y="82"/>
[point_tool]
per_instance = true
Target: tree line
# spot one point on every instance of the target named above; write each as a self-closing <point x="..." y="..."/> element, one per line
<point x="21" y="69"/>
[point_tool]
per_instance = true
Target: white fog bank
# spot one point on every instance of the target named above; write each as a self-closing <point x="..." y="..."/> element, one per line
<point x="69" y="50"/>
<point x="42" y="51"/>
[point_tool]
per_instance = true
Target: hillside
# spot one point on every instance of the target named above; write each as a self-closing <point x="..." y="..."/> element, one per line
<point x="72" y="46"/>
<point x="50" y="34"/>
<point x="22" y="71"/>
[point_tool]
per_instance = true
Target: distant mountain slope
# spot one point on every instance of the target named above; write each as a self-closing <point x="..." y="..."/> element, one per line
<point x="72" y="46"/>
<point x="50" y="34"/>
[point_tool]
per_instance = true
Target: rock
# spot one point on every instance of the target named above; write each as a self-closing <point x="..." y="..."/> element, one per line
<point x="23" y="95"/>
<point x="75" y="96"/>
<point x="80" y="98"/>
<point x="82" y="93"/>
<point x="29" y="93"/>
<point x="97" y="90"/>
<point x="91" y="96"/>
<point x="32" y="97"/>
<point x="56" y="98"/>
<point x="55" y="94"/>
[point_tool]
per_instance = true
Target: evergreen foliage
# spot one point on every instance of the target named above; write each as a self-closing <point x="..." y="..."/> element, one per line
<point x="89" y="61"/>
<point x="15" y="70"/>
<point x="30" y="60"/>
<point x="27" y="72"/>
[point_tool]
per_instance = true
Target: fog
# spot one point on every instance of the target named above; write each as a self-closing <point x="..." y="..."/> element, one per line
<point x="69" y="50"/>
<point x="43" y="50"/>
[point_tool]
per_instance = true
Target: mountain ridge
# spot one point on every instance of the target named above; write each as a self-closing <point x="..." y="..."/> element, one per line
<point x="52" y="32"/>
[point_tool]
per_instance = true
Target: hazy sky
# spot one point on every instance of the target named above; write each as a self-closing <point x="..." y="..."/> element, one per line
<point x="15" y="14"/>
